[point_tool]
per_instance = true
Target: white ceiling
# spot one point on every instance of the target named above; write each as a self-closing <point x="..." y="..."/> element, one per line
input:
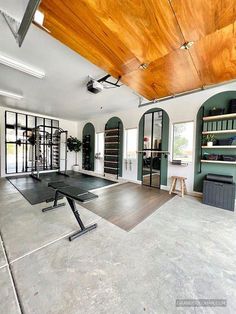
<point x="62" y="93"/>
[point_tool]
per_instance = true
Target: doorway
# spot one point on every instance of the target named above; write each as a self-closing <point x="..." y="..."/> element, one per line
<point x="88" y="147"/>
<point x="99" y="153"/>
<point x="130" y="154"/>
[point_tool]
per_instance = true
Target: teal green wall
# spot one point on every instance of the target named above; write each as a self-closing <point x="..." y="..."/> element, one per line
<point x="164" y="145"/>
<point x="220" y="100"/>
<point x="113" y="123"/>
<point x="90" y="130"/>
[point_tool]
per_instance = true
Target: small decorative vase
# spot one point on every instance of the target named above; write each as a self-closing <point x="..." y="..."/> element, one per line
<point x="210" y="144"/>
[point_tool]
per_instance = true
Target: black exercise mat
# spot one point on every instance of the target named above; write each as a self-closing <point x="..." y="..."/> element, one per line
<point x="38" y="191"/>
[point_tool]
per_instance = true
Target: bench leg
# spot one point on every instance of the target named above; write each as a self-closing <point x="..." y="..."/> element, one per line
<point x="173" y="186"/>
<point x="80" y="222"/>
<point x="55" y="204"/>
<point x="182" y="188"/>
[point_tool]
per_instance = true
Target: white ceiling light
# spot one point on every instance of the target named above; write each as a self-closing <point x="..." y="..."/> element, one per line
<point x="39" y="17"/>
<point x="187" y="45"/>
<point x="21" y="67"/>
<point x="10" y="95"/>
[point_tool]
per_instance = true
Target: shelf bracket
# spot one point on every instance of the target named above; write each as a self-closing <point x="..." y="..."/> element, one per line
<point x="19" y="30"/>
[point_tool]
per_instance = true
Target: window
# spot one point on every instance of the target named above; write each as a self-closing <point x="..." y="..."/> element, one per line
<point x="18" y="130"/>
<point x="130" y="143"/>
<point x="183" y="141"/>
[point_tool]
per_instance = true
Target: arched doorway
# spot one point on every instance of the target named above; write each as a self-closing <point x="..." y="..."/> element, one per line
<point x="88" y="146"/>
<point x="113" y="150"/>
<point x="153" y="141"/>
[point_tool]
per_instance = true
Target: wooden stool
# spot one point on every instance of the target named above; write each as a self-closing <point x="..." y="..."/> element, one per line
<point x="183" y="188"/>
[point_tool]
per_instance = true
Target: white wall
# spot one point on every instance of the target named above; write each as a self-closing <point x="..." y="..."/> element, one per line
<point x="70" y="126"/>
<point x="179" y="109"/>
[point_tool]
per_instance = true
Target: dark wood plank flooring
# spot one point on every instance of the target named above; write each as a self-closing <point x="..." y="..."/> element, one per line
<point x="128" y="204"/>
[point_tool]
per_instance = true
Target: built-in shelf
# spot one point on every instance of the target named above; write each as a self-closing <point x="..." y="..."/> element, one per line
<point x="107" y="143"/>
<point x="219" y="132"/>
<point x="109" y="136"/>
<point x="220" y="117"/>
<point x="218" y="146"/>
<point x="218" y="162"/>
<point x="111" y="148"/>
<point x="111" y="130"/>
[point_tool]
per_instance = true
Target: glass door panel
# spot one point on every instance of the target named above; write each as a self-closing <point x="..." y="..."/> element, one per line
<point x="147" y="143"/>
<point x="31" y="120"/>
<point x="21" y="143"/>
<point x="156" y="166"/>
<point x="11" y="157"/>
<point x="152" y="144"/>
<point x="157" y="130"/>
<point x="147" y="168"/>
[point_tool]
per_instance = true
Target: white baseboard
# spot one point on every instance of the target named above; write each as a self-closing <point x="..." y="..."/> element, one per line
<point x="191" y="193"/>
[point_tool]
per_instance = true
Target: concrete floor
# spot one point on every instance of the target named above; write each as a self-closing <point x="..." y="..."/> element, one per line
<point x="184" y="250"/>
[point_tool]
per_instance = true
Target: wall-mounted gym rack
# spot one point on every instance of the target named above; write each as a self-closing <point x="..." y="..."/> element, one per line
<point x="49" y="150"/>
<point x="112" y="150"/>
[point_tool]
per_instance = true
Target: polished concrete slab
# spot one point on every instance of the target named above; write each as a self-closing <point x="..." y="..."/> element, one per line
<point x="183" y="250"/>
<point x="3" y="261"/>
<point x="8" y="302"/>
<point x="25" y="228"/>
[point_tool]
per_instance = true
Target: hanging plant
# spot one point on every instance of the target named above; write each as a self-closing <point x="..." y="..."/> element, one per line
<point x="74" y="145"/>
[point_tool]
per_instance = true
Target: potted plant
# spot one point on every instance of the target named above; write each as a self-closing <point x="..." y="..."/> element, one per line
<point x="74" y="145"/>
<point x="209" y="139"/>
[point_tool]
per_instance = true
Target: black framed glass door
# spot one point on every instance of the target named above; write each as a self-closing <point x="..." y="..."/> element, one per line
<point x="18" y="149"/>
<point x="151" y="170"/>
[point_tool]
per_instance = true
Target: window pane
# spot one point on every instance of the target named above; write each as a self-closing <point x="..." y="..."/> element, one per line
<point x="10" y="127"/>
<point x="21" y="127"/>
<point x="11" y="158"/>
<point x="55" y="123"/>
<point x="183" y="141"/>
<point x="39" y="121"/>
<point x="48" y="122"/>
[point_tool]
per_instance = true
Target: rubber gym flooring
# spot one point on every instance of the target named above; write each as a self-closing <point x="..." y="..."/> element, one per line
<point x="38" y="191"/>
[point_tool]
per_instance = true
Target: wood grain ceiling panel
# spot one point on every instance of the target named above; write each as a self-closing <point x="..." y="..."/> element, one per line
<point x="120" y="35"/>
<point x="215" y="56"/>
<point x="172" y="74"/>
<point x="198" y="18"/>
<point x="115" y="35"/>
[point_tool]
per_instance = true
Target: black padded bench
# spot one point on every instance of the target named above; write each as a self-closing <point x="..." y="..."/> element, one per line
<point x="72" y="194"/>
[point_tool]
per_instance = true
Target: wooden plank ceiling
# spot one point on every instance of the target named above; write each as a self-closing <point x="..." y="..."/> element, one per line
<point x="121" y="35"/>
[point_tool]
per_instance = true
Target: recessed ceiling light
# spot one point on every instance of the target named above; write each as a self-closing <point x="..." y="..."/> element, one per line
<point x="14" y="64"/>
<point x="187" y="45"/>
<point x="39" y="17"/>
<point x="10" y="95"/>
<point x="143" y="66"/>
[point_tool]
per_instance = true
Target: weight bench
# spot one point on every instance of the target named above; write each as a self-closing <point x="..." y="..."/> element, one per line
<point x="72" y="194"/>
